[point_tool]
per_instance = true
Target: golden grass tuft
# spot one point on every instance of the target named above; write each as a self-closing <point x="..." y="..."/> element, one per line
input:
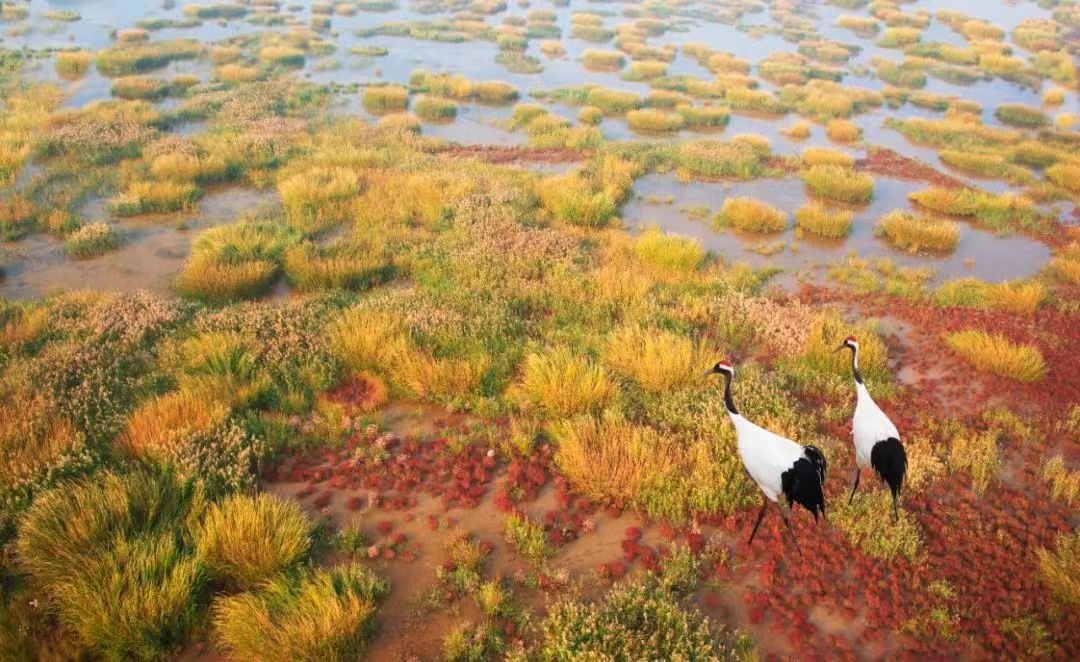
<point x="247" y="539"/>
<point x="72" y="64"/>
<point x="159" y="425"/>
<point x="181" y="167"/>
<point x="750" y="215"/>
<point x="669" y="253"/>
<point x="835" y="182"/>
<point x="818" y="220"/>
<point x="998" y="355"/>
<point x="647" y="120"/>
<point x="563" y="383"/>
<point x="798" y="131"/>
<point x="813" y="156"/>
<point x="977" y="453"/>
<point x="858" y="522"/>
<point x="322" y="614"/>
<point x="154" y="198"/>
<point x="842" y="131"/>
<point x="609" y="459"/>
<point x="1064" y="483"/>
<point x="919" y="233"/>
<point x="319" y="198"/>
<point x="213" y="281"/>
<point x="658" y="360"/>
<point x="597" y="60"/>
<point x="1059" y="568"/>
<point x="385" y="98"/>
<point x="1066" y="175"/>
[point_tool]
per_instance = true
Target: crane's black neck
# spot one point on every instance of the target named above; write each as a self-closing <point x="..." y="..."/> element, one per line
<point x="727" y="395"/>
<point x="855" y="365"/>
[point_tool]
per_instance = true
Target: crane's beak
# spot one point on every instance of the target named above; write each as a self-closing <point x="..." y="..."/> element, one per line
<point x="841" y="347"/>
<point x="706" y="373"/>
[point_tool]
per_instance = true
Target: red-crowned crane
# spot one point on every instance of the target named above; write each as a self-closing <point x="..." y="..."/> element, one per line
<point x="778" y="465"/>
<point x="877" y="442"/>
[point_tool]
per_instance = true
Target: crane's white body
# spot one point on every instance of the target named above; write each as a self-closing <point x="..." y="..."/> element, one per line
<point x="765" y="455"/>
<point x="869" y="426"/>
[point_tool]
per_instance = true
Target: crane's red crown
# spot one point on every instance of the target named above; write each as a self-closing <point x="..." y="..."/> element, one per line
<point x="850" y="339"/>
<point x="723" y="364"/>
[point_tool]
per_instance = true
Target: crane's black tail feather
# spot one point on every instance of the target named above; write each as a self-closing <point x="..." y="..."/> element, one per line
<point x="890" y="462"/>
<point x="803" y="482"/>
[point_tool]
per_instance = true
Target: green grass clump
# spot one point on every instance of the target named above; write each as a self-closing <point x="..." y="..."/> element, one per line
<point x="528" y="539"/>
<point x="642" y="620"/>
<point x="109" y="553"/>
<point x="714" y="159"/>
<point x="1018" y="114"/>
<point x="613" y="102"/>
<point x="902" y="538"/>
<point x="590" y="115"/>
<point x="646" y="69"/>
<point x="842" y="131"/>
<point x="698" y="116"/>
<point x="140" y="87"/>
<point x="349" y="265"/>
<point x="244" y="539"/>
<point x="217" y="10"/>
<point x="984" y="165"/>
<point x="1001" y="212"/>
<point x="434" y="109"/>
<point x="130" y="58"/>
<point x="324" y="614"/>
<point x="386" y="98"/>
<point x="282" y="56"/>
<point x="834" y="182"/>
<point x="955" y="133"/>
<point x="998" y="355"/>
<point x="319" y="198"/>
<point x="562" y="383"/>
<point x="72" y="64"/>
<point x="755" y="101"/>
<point x="818" y="220"/>
<point x="17" y="217"/>
<point x="1066" y="175"/>
<point x="93" y="239"/>
<point x="813" y="156"/>
<point x="918" y="233"/>
<point x="235" y="261"/>
<point x="494" y="92"/>
<point x="750" y="215"/>
<point x="145" y="197"/>
<point x="895" y="37"/>
<point x="669" y="252"/>
<point x="185" y="167"/>
<point x="648" y="120"/>
<point x="656" y="359"/>
<point x="603" y="60"/>
<point x="1057" y="568"/>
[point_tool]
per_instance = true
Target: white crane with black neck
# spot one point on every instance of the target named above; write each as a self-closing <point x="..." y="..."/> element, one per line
<point x="877" y="441"/>
<point x="778" y="465"/>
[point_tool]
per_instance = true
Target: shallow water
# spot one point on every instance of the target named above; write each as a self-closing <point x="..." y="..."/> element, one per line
<point x="980" y="254"/>
<point x="156" y="248"/>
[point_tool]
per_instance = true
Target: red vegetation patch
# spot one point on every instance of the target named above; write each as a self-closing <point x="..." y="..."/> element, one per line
<point x="512" y="154"/>
<point x="394" y="470"/>
<point x="362" y="392"/>
<point x="886" y="162"/>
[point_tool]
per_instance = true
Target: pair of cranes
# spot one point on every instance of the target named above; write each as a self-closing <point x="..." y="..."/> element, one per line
<point x="782" y="467"/>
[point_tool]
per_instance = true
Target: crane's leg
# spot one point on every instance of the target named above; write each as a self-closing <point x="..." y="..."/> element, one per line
<point x="760" y="515"/>
<point x="858" y="473"/>
<point x="787" y="522"/>
<point x="895" y="514"/>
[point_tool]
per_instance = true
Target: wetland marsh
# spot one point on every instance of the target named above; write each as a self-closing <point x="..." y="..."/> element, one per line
<point x="372" y="329"/>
